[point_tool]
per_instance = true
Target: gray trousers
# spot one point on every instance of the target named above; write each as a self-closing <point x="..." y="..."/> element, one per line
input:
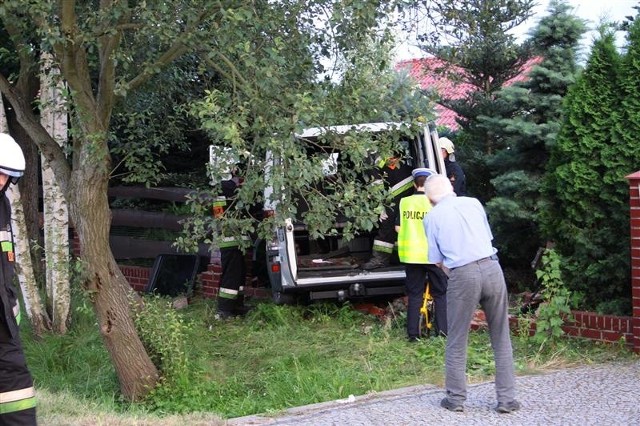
<point x="481" y="282"/>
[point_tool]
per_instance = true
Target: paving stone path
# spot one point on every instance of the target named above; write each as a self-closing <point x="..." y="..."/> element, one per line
<point x="588" y="395"/>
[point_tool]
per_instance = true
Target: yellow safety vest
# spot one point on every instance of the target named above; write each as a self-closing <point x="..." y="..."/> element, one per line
<point x="412" y="241"/>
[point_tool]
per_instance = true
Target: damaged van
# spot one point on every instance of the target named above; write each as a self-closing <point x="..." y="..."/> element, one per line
<point x="302" y="264"/>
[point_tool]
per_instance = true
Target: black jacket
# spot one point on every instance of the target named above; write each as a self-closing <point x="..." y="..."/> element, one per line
<point x="8" y="294"/>
<point x="456" y="176"/>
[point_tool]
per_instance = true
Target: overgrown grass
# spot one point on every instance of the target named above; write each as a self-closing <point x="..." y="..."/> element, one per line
<point x="277" y="357"/>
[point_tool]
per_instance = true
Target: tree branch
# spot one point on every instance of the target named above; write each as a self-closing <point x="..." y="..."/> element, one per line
<point x="179" y="47"/>
<point x="49" y="148"/>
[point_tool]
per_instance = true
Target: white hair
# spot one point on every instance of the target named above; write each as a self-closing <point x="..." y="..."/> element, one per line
<point x="437" y="187"/>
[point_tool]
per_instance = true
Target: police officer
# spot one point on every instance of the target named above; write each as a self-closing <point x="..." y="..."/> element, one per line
<point x="17" y="396"/>
<point x="413" y="252"/>
<point x="397" y="175"/>
<point x="454" y="171"/>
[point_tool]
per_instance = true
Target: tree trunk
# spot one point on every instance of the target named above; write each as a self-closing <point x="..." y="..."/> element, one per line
<point x="53" y="117"/>
<point x="30" y="295"/>
<point x="110" y="292"/>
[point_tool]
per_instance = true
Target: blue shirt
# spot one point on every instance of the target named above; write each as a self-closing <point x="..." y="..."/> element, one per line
<point x="458" y="232"/>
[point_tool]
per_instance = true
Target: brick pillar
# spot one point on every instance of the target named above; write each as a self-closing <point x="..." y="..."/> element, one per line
<point x="634" y="204"/>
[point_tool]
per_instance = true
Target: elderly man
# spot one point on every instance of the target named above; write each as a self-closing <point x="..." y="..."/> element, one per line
<point x="459" y="236"/>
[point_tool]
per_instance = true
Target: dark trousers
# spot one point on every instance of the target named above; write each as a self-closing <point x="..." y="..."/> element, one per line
<point x="386" y="235"/>
<point x="234" y="272"/>
<point x="416" y="275"/>
<point x="17" y="403"/>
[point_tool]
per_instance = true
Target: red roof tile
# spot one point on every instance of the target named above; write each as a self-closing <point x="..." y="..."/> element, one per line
<point x="428" y="72"/>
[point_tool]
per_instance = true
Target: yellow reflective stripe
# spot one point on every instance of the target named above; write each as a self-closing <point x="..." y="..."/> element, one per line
<point x="17" y="400"/>
<point x="17" y="395"/>
<point x="12" y="407"/>
<point x="402" y="186"/>
<point x="6" y="246"/>
<point x="383" y="246"/>
<point x="227" y="293"/>
<point x="220" y="201"/>
<point x="232" y="241"/>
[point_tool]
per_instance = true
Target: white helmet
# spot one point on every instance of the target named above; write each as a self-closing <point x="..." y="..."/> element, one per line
<point x="446" y="144"/>
<point x="12" y="159"/>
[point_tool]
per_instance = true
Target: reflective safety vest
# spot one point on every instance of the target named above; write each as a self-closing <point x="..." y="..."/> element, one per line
<point x="412" y="240"/>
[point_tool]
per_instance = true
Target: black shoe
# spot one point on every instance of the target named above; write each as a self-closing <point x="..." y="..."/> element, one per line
<point x="378" y="260"/>
<point x="451" y="406"/>
<point x="413" y="339"/>
<point x="508" y="407"/>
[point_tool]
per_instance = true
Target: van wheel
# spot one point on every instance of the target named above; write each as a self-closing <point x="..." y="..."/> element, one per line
<point x="280" y="298"/>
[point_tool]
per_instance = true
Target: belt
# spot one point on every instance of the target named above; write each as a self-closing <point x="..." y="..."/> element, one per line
<point x="484" y="259"/>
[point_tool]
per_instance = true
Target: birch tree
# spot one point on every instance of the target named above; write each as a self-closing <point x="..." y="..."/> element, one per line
<point x="53" y="117"/>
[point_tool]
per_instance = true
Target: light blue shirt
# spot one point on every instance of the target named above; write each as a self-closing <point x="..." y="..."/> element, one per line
<point x="458" y="232"/>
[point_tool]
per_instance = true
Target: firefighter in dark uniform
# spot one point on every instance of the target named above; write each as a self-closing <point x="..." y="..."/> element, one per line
<point x="232" y="259"/>
<point x="454" y="171"/>
<point x="412" y="252"/>
<point x="396" y="174"/>
<point x="17" y="396"/>
<point x="230" y="300"/>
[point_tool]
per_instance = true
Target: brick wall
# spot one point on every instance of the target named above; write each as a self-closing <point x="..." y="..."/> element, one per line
<point x="137" y="276"/>
<point x="634" y="211"/>
<point x="209" y="280"/>
<point x="608" y="328"/>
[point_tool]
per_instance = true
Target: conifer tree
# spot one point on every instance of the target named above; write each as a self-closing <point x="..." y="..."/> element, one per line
<point x="476" y="45"/>
<point x="587" y="214"/>
<point x="532" y="115"/>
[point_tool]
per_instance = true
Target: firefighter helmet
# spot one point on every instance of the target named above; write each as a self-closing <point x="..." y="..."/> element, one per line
<point x="12" y="160"/>
<point x="446" y="144"/>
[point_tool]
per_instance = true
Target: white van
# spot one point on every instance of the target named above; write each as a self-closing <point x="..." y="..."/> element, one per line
<point x="329" y="267"/>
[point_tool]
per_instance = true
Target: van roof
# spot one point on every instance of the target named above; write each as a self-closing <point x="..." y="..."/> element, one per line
<point x="364" y="127"/>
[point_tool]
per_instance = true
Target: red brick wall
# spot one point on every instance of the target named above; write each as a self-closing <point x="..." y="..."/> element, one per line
<point x="608" y="328"/>
<point x="634" y="211"/>
<point x="209" y="280"/>
<point x="137" y="276"/>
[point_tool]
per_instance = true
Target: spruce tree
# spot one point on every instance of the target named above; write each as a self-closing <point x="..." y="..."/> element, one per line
<point x="474" y="41"/>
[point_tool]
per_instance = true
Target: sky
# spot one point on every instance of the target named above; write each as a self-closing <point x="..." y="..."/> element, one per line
<point x="590" y="10"/>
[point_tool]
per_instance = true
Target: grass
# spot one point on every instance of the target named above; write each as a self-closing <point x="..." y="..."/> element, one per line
<point x="276" y="358"/>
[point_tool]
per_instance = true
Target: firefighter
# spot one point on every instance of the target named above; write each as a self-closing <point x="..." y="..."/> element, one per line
<point x="412" y="252"/>
<point x="454" y="171"/>
<point x="17" y="396"/>
<point x="230" y="300"/>
<point x="397" y="175"/>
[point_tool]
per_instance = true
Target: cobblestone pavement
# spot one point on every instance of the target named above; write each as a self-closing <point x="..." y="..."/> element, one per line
<point x="589" y="395"/>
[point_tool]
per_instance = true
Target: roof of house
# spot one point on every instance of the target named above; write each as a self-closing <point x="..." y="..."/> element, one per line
<point x="427" y="71"/>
